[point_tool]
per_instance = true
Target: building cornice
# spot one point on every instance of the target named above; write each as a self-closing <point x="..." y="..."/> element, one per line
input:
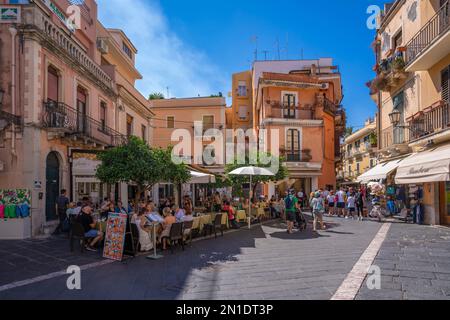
<point x="292" y="122"/>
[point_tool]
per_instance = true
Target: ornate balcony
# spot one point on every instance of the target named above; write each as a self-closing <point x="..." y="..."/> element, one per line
<point x="395" y="137"/>
<point x="37" y="25"/>
<point x="7" y="118"/>
<point x="431" y="121"/>
<point x="431" y="43"/>
<point x="297" y="155"/>
<point x="285" y="111"/>
<point x="61" y="118"/>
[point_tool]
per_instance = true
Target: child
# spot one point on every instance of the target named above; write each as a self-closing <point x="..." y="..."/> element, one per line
<point x="351" y="205"/>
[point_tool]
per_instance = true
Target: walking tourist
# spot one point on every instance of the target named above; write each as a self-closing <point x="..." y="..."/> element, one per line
<point x="351" y="205"/>
<point x="331" y="205"/>
<point x="341" y="201"/>
<point x="360" y="204"/>
<point x="291" y="203"/>
<point x="318" y="209"/>
<point x="61" y="205"/>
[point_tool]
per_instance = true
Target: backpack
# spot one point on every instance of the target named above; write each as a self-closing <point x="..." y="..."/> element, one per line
<point x="289" y="203"/>
<point x="318" y="205"/>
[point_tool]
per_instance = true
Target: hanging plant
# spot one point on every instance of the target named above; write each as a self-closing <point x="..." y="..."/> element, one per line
<point x="398" y="64"/>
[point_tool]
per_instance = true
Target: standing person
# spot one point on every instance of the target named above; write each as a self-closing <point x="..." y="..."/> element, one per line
<point x="331" y="204"/>
<point x="291" y="203"/>
<point x="217" y="202"/>
<point x="301" y="197"/>
<point x="61" y="208"/>
<point x="341" y="200"/>
<point x="231" y="214"/>
<point x="360" y="204"/>
<point x="318" y="209"/>
<point x="351" y="204"/>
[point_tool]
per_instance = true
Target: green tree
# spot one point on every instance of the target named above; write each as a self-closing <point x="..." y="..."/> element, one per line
<point x="135" y="162"/>
<point x="156" y="96"/>
<point x="237" y="181"/>
<point x="348" y="132"/>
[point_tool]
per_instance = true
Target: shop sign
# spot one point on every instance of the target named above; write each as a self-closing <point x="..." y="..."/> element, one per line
<point x="69" y="23"/>
<point x="9" y="14"/>
<point x="419" y="171"/>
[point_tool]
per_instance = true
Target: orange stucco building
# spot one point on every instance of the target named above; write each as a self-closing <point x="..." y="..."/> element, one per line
<point x="301" y="99"/>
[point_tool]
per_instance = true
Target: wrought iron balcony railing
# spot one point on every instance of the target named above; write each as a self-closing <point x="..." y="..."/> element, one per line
<point x="430" y="121"/>
<point x="434" y="29"/>
<point x="61" y="117"/>
<point x="297" y="155"/>
<point x="394" y="136"/>
<point x="10" y="118"/>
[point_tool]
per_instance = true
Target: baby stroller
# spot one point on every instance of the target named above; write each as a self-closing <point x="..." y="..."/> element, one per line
<point x="301" y="223"/>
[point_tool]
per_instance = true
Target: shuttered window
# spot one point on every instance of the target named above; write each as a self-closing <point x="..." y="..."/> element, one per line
<point x="445" y="84"/>
<point x="52" y="84"/>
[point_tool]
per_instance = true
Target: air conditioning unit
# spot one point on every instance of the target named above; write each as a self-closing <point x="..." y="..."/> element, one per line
<point x="325" y="86"/>
<point x="102" y="46"/>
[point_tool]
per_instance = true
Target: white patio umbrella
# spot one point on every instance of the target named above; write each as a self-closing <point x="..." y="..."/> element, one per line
<point x="251" y="172"/>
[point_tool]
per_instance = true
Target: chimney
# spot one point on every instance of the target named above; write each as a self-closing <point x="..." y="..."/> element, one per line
<point x="313" y="70"/>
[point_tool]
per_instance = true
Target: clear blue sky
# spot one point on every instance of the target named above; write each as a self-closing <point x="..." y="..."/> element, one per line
<point x="206" y="41"/>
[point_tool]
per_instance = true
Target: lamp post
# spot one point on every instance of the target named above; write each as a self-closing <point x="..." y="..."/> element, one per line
<point x="395" y="118"/>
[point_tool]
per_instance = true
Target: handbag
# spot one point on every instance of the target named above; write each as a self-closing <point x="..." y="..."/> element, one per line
<point x="2" y="211"/>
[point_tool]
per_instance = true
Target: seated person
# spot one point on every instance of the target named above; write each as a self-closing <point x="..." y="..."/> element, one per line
<point x="119" y="208"/>
<point x="169" y="220"/>
<point x="179" y="213"/>
<point x="231" y="215"/>
<point x="88" y="223"/>
<point x="152" y="215"/>
<point x="144" y="231"/>
<point x="71" y="210"/>
<point x="187" y="218"/>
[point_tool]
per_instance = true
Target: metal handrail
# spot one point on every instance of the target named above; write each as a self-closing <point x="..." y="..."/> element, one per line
<point x="438" y="25"/>
<point x="58" y="115"/>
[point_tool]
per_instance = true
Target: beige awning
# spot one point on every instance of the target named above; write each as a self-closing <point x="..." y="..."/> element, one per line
<point x="380" y="172"/>
<point x="429" y="166"/>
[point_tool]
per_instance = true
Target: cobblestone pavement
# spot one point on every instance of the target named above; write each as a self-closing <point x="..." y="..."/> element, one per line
<point x="415" y="265"/>
<point x="264" y="263"/>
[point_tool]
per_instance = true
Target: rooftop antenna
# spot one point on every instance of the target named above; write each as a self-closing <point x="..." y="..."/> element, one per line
<point x="287" y="45"/>
<point x="278" y="48"/>
<point x="255" y="40"/>
<point x="265" y="54"/>
<point x="301" y="53"/>
<point x="168" y="95"/>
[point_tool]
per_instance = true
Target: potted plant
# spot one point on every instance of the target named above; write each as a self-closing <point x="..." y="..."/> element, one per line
<point x="373" y="139"/>
<point x="398" y="64"/>
<point x="401" y="49"/>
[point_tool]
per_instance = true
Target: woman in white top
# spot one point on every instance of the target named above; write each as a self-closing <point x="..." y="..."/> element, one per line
<point x="331" y="204"/>
<point x="144" y="231"/>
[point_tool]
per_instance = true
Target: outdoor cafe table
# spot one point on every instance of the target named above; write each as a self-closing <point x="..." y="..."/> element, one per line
<point x="241" y="215"/>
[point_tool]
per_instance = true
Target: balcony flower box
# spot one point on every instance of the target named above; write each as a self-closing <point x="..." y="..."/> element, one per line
<point x="401" y="49"/>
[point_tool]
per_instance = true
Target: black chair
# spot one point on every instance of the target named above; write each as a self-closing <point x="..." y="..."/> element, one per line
<point x="218" y="224"/>
<point x="176" y="235"/>
<point x="188" y="226"/>
<point x="77" y="232"/>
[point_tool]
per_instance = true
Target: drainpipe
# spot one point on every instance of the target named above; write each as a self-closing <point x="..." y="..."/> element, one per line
<point x="13" y="32"/>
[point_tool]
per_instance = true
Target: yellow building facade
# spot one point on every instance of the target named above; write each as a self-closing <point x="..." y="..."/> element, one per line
<point x="359" y="153"/>
<point x="411" y="89"/>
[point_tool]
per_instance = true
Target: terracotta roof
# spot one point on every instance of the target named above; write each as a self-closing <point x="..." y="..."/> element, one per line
<point x="290" y="77"/>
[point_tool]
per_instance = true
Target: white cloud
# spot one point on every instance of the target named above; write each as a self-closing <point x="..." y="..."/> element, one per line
<point x="163" y="58"/>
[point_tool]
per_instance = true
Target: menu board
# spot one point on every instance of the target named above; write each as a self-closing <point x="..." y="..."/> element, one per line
<point x="115" y="236"/>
